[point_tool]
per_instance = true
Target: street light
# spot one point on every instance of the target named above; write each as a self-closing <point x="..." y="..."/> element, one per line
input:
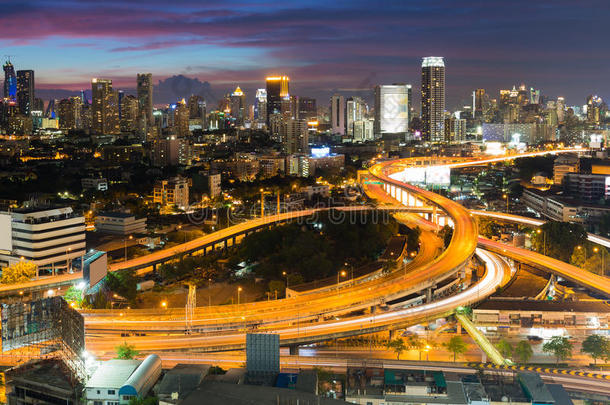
<point x="164" y="304"/>
<point x="238" y="292"/>
<point x="505" y="196"/>
<point x="342" y="273"/>
<point x="538" y="231"/>
<point x="125" y="241"/>
<point x="262" y="202"/>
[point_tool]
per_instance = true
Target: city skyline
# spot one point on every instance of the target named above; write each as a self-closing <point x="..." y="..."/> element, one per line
<point x="324" y="48"/>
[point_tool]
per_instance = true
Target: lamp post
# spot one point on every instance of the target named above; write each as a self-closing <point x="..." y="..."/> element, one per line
<point x="209" y="292"/>
<point x="342" y="273"/>
<point x="603" y="269"/>
<point x="238" y="293"/>
<point x="286" y="290"/>
<point x="505" y="196"/>
<point x="538" y="231"/>
<point x="262" y="202"/>
<point x="125" y="242"/>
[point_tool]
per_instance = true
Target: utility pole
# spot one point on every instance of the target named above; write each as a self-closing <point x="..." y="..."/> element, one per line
<point x="191" y="302"/>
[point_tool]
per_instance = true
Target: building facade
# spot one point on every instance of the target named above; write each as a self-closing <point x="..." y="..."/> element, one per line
<point x="433" y="98"/>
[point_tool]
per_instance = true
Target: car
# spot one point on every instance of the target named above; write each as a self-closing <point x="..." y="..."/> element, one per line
<point x="533" y="338"/>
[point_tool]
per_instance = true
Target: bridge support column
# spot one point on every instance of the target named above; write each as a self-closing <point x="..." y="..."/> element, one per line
<point x="294" y="350"/>
<point x="154" y="266"/>
<point x="226" y="244"/>
<point x="429" y="294"/>
<point x="391" y="334"/>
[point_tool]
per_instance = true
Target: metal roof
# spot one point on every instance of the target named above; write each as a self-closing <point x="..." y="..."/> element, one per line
<point x="113" y="373"/>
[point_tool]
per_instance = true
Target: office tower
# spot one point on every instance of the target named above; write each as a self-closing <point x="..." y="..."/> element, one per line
<point x="181" y="119"/>
<point x="479" y="101"/>
<point x="561" y="109"/>
<point x="306" y="109"/>
<point x="392" y="109"/>
<point x="504" y="98"/>
<point x="433" y="98"/>
<point x="354" y="111"/>
<point x="523" y="97"/>
<point x="10" y="81"/>
<point x="144" y="92"/>
<point x="196" y="106"/>
<point x="260" y="105"/>
<point x="294" y="135"/>
<point x="277" y="91"/>
<point x="238" y="106"/>
<point x="69" y="112"/>
<point x="129" y="111"/>
<point x="104" y="107"/>
<point x="594" y="104"/>
<point x="50" y="111"/>
<point x="25" y="91"/>
<point x="337" y="114"/>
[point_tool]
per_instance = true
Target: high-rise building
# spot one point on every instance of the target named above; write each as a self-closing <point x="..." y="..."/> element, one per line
<point x="69" y="113"/>
<point x="337" y="114"/>
<point x="260" y="105"/>
<point x="479" y="101"/>
<point x="25" y="91"/>
<point x="354" y="112"/>
<point x="238" y="106"/>
<point x="561" y="109"/>
<point x="277" y="92"/>
<point x="181" y="119"/>
<point x="295" y="136"/>
<point x="129" y="110"/>
<point x="10" y="81"/>
<point x="594" y="104"/>
<point x="144" y="92"/>
<point x="104" y="107"/>
<point x="306" y="109"/>
<point x="392" y="109"/>
<point x="433" y="98"/>
<point x="455" y="130"/>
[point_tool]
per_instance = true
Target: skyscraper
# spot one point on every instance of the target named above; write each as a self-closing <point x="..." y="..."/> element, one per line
<point x="433" y="98"/>
<point x="10" y="81"/>
<point x="354" y="111"/>
<point x="25" y="91"/>
<point x="69" y="113"/>
<point x="479" y="103"/>
<point x="238" y="106"/>
<point x="144" y="92"/>
<point x="105" y="107"/>
<point x="260" y="105"/>
<point x="337" y="114"/>
<point x="295" y="136"/>
<point x="392" y="109"/>
<point x="181" y="119"/>
<point x="277" y="91"/>
<point x="129" y="107"/>
<point x="306" y="109"/>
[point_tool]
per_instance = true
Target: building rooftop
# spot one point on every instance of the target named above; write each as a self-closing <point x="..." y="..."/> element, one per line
<point x="116" y="214"/>
<point x="543" y="305"/>
<point x="183" y="378"/>
<point x="113" y="373"/>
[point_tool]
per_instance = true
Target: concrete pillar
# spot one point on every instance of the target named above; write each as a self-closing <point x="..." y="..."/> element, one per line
<point x="391" y="334"/>
<point x="459" y="328"/>
<point x="154" y="266"/>
<point x="226" y="244"/>
<point x="294" y="350"/>
<point x="429" y="294"/>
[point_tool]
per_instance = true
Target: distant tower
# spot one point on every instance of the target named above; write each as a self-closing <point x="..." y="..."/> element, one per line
<point x="144" y="93"/>
<point x="277" y="91"/>
<point x="433" y="98"/>
<point x="10" y="81"/>
<point x="354" y="111"/>
<point x="337" y="114"/>
<point x="238" y="106"/>
<point x="260" y="105"/>
<point x="25" y="91"/>
<point x="105" y="107"/>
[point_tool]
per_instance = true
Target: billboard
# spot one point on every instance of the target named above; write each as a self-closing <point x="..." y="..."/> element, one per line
<point x="262" y="353"/>
<point x="95" y="267"/>
<point x="6" y="233"/>
<point x="42" y="322"/>
<point x="395" y="113"/>
<point x="437" y="175"/>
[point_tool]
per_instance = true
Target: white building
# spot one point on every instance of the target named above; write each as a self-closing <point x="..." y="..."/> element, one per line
<point x="51" y="238"/>
<point x="214" y="185"/>
<point x="119" y="223"/>
<point x="97" y="184"/>
<point x="116" y="382"/>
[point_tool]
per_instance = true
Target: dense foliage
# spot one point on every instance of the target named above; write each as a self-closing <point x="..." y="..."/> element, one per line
<point x="318" y="249"/>
<point x="558" y="239"/>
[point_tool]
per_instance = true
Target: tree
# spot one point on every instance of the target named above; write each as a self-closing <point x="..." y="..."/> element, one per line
<point x="446" y="233"/>
<point x="398" y="346"/>
<point x="414" y="342"/>
<point x="276" y="285"/>
<point x="488" y="228"/>
<point x="74" y="295"/>
<point x="457" y="346"/>
<point x="558" y="239"/>
<point x="505" y="348"/>
<point x="144" y="401"/>
<point x="126" y="352"/>
<point x="523" y="351"/>
<point x="20" y="272"/>
<point x="559" y="346"/>
<point x="413" y="239"/>
<point x="578" y="257"/>
<point x="596" y="346"/>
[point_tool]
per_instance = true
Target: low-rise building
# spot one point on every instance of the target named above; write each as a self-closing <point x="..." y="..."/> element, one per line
<point x="51" y="238"/>
<point x="116" y="381"/>
<point x="97" y="184"/>
<point x="119" y="223"/>
<point x="172" y="192"/>
<point x="564" y="164"/>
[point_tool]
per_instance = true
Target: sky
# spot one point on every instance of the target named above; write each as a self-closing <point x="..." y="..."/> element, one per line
<point x="345" y="46"/>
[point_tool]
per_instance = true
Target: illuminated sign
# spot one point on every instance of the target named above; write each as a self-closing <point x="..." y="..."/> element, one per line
<point x="320" y="152"/>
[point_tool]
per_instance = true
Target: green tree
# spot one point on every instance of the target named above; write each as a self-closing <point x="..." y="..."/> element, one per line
<point x="74" y="295"/>
<point x="277" y="285"/>
<point x="558" y="239"/>
<point x="578" y="257"/>
<point x="457" y="346"/>
<point x="144" y="401"/>
<point x="596" y="346"/>
<point x="122" y="283"/>
<point x="523" y="351"/>
<point x="126" y="352"/>
<point x="488" y="228"/>
<point x="20" y="272"/>
<point x="505" y="348"/>
<point x="398" y="346"/>
<point x="558" y="346"/>
<point x="414" y="342"/>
